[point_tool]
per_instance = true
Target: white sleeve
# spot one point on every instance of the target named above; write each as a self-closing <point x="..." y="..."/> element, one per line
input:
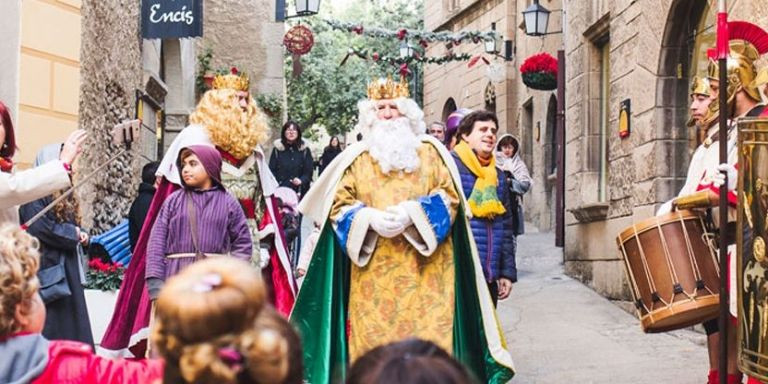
<point x="32" y="184"/>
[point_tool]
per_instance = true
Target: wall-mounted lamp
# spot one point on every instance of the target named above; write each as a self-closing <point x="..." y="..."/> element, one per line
<point x="493" y="47"/>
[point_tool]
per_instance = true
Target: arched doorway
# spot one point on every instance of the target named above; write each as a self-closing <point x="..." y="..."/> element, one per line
<point x="550" y="160"/>
<point x="687" y="35"/>
<point x="448" y="108"/>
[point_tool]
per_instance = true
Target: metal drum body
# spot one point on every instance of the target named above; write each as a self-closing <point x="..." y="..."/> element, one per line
<point x="752" y="266"/>
<point x="672" y="269"/>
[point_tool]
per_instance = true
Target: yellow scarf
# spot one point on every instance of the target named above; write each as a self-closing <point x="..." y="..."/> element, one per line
<point x="483" y="201"/>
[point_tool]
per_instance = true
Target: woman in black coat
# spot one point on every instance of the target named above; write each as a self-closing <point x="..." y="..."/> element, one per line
<point x="291" y="160"/>
<point x="60" y="239"/>
<point x="330" y="152"/>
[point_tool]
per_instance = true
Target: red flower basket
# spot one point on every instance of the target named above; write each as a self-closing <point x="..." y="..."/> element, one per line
<point x="540" y="72"/>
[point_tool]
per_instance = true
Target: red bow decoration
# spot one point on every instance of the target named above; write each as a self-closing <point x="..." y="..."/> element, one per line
<point x="404" y="71"/>
<point x="358" y="29"/>
<point x="234" y="70"/>
<point x="401" y="34"/>
<point x="475" y="59"/>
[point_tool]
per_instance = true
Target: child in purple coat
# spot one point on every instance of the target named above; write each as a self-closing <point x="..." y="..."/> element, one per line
<point x="200" y="220"/>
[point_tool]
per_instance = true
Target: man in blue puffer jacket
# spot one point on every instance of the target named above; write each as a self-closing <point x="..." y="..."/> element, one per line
<point x="486" y="190"/>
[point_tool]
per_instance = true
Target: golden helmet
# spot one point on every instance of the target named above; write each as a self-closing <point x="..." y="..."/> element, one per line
<point x="741" y="70"/>
<point x="747" y="42"/>
<point x="700" y="86"/>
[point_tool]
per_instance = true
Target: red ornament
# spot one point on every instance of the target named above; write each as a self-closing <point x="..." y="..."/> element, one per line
<point x="358" y="29"/>
<point x="401" y="34"/>
<point x="299" y="40"/>
<point x="404" y="71"/>
<point x="234" y="70"/>
<point x="423" y="43"/>
<point x="375" y="56"/>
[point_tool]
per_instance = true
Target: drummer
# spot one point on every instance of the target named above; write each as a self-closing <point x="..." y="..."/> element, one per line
<point x="704" y="119"/>
<point x="706" y="174"/>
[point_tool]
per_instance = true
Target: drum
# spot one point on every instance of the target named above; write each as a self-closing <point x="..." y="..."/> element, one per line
<point x="672" y="268"/>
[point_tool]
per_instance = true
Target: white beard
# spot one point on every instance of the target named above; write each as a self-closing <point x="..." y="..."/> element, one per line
<point x="393" y="145"/>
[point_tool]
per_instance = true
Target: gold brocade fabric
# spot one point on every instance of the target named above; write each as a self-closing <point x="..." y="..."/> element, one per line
<point x="248" y="187"/>
<point x="400" y="293"/>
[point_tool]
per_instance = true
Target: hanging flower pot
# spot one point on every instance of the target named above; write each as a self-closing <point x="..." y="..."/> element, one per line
<point x="540" y="72"/>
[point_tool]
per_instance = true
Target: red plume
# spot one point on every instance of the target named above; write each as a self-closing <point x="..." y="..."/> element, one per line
<point x="742" y="30"/>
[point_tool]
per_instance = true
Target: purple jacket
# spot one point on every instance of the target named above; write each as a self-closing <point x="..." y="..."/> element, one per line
<point x="221" y="227"/>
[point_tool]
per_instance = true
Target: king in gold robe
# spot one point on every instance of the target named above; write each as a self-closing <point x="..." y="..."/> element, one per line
<point x="395" y="258"/>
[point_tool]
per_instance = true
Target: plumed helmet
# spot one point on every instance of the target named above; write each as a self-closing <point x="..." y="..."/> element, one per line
<point x="741" y="70"/>
<point x="453" y="121"/>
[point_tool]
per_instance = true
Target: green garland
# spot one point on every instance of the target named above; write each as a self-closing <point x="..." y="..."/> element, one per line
<point x="422" y="37"/>
<point x="396" y="60"/>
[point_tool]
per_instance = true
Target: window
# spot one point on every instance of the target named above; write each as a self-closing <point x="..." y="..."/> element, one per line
<point x="605" y="86"/>
<point x="526" y="135"/>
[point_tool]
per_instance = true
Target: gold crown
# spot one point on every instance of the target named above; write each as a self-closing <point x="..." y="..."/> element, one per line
<point x="385" y="89"/>
<point x="231" y="81"/>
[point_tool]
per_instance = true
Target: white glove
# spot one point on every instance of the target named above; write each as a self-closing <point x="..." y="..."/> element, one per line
<point x="264" y="257"/>
<point x="401" y="215"/>
<point x="719" y="178"/>
<point x="385" y="224"/>
<point x="665" y="208"/>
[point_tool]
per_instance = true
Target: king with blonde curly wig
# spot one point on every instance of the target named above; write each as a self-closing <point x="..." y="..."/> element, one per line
<point x="234" y="128"/>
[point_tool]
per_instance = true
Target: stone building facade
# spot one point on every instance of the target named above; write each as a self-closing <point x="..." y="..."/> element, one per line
<point x="642" y="51"/>
<point x="646" y="52"/>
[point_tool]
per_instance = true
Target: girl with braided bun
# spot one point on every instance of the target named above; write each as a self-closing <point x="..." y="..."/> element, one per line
<point x="207" y="327"/>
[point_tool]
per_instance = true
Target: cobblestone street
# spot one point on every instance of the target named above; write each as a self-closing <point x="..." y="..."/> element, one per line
<point x="559" y="331"/>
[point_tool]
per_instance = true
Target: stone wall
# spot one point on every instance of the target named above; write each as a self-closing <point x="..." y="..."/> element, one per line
<point x="111" y="73"/>
<point x="244" y="34"/>
<point x="535" y="116"/>
<point x="650" y="46"/>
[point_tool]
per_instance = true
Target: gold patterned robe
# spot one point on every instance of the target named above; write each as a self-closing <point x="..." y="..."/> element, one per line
<point x="400" y="287"/>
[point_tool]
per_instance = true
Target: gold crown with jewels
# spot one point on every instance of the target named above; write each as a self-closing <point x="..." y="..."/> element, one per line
<point x="385" y="89"/>
<point x="238" y="82"/>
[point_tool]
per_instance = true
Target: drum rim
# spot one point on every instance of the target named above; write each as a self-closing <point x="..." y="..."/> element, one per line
<point x="654" y="221"/>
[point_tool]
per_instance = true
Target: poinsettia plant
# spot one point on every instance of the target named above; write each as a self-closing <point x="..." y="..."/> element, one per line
<point x="104" y="276"/>
<point x="540" y="72"/>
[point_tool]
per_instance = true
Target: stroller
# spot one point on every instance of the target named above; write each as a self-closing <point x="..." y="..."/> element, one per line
<point x="288" y="203"/>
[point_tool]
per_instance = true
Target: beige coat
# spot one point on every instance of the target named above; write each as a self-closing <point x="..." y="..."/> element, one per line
<point x="29" y="185"/>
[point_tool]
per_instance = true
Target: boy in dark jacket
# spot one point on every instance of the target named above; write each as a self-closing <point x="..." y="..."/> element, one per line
<point x="140" y="206"/>
<point x="486" y="190"/>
